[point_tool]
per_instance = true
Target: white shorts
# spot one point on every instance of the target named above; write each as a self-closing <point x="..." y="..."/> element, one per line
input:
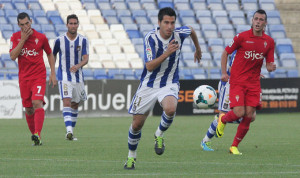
<point x="223" y="88"/>
<point x="146" y="97"/>
<point x="75" y="91"/>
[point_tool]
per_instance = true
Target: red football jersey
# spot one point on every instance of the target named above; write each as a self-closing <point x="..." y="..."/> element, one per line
<point x="31" y="62"/>
<point x="251" y="51"/>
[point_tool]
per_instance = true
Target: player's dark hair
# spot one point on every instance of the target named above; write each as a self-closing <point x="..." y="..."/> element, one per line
<point x="261" y="11"/>
<point x="72" y="16"/>
<point x="22" y="15"/>
<point x="166" y="11"/>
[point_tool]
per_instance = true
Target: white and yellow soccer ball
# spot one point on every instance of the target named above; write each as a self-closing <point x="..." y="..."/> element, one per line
<point x="204" y="96"/>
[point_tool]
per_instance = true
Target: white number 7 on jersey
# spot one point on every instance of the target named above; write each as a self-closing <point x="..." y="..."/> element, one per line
<point x="39" y="88"/>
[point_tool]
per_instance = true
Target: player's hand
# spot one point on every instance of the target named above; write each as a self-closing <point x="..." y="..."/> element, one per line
<point x="225" y="77"/>
<point x="271" y="66"/>
<point x="52" y="79"/>
<point x="172" y="47"/>
<point x="197" y="55"/>
<point x="25" y="33"/>
<point x="74" y="68"/>
<point x="261" y="76"/>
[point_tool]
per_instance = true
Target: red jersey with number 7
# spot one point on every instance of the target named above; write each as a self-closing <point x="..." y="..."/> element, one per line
<point x="30" y="60"/>
<point x="251" y="51"/>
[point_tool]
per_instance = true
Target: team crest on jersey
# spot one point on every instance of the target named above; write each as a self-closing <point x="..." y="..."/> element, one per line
<point x="78" y="48"/>
<point x="237" y="97"/>
<point x="265" y="44"/>
<point x="36" y="41"/>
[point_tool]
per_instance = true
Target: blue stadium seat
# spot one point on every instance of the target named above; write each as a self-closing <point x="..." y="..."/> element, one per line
<point x="12" y="74"/>
<point x="91" y="6"/>
<point x="7" y="5"/>
<point x="10" y="64"/>
<point x="128" y="74"/>
<point x="3" y="20"/>
<point x="5" y="57"/>
<point x="103" y="5"/>
<point x="60" y="28"/>
<point x="34" y="5"/>
<point x="11" y="13"/>
<point x="267" y="5"/>
<point x="292" y="73"/>
<point x="215" y="4"/>
<point x="241" y="28"/>
<point x="20" y="6"/>
<point x="182" y="5"/>
<point x="146" y="27"/>
<point x="134" y="5"/>
<point x="119" y="5"/>
<point x="107" y="13"/>
<point x="226" y="30"/>
<point x="4" y="27"/>
<point x="38" y="13"/>
<point x="138" y="73"/>
<point x="199" y="73"/>
<point x="289" y="63"/>
<point x="7" y="34"/>
<point x="52" y="13"/>
<point x="231" y="5"/>
<point x="187" y="17"/>
<point x="279" y="73"/>
<point x="50" y="34"/>
<point x="130" y="27"/>
<point x="220" y="17"/>
<point x="100" y="74"/>
<point x="56" y="20"/>
<point x="249" y="5"/>
<point x="215" y="73"/>
<point x="126" y="20"/>
<point x="237" y="17"/>
<point x="115" y="74"/>
<point x="283" y="41"/>
<point x="163" y="4"/>
<point x="133" y="34"/>
<point x="210" y="31"/>
<point x="284" y="48"/>
<point x="2" y="13"/>
<point x="47" y="28"/>
<point x="187" y="74"/>
<point x="42" y="20"/>
<point x="277" y="31"/>
<point x="273" y="17"/>
<point x="204" y="16"/>
<point x="28" y="11"/>
<point x="112" y="20"/>
<point x="88" y="74"/>
<point x="216" y="44"/>
<point x="140" y="16"/>
<point x="137" y="41"/>
<point x="284" y="56"/>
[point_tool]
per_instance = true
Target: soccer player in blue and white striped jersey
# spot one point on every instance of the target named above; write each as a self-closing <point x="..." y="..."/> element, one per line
<point x="73" y="50"/>
<point x="159" y="80"/>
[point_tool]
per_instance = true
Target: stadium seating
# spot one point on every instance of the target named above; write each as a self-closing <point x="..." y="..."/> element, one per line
<point x="116" y="28"/>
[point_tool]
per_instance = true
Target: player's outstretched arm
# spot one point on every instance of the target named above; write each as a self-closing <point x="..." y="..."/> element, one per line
<point x="153" y="64"/>
<point x="271" y="66"/>
<point x="224" y="57"/>
<point x="198" y="52"/>
<point x="52" y="77"/>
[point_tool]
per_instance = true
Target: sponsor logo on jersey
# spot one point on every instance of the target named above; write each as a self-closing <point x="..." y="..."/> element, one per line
<point x="78" y="48"/>
<point x="237" y="97"/>
<point x="253" y="55"/>
<point x="265" y="44"/>
<point x="249" y="41"/>
<point x="36" y="41"/>
<point x="149" y="53"/>
<point x="26" y="52"/>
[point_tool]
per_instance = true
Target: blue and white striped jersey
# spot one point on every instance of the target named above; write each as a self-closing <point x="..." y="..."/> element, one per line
<point x="70" y="54"/>
<point x="231" y="61"/>
<point x="155" y="46"/>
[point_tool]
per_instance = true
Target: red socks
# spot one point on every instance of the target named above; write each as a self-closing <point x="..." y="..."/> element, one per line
<point x="241" y="131"/>
<point x="30" y="122"/>
<point x="39" y="116"/>
<point x="229" y="117"/>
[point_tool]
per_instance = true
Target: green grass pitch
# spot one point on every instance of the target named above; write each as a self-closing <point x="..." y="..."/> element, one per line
<point x="270" y="149"/>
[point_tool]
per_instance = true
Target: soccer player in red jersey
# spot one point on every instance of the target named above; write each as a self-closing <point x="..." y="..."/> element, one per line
<point x="252" y="47"/>
<point x="27" y="45"/>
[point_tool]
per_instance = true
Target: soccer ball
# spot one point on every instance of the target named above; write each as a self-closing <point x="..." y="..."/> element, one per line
<point x="204" y="96"/>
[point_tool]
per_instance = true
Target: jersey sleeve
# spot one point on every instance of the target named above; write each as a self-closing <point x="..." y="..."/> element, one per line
<point x="85" y="47"/>
<point x="235" y="44"/>
<point x="149" y="48"/>
<point x="46" y="46"/>
<point x="270" y="53"/>
<point x="184" y="32"/>
<point x="13" y="42"/>
<point x="56" y="47"/>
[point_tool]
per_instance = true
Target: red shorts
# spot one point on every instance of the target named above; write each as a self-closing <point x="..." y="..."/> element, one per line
<point x="32" y="90"/>
<point x="245" y="95"/>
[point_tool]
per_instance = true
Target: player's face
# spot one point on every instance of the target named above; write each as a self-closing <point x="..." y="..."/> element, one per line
<point x="72" y="26"/>
<point x="167" y="26"/>
<point x="259" y="22"/>
<point x="24" y="23"/>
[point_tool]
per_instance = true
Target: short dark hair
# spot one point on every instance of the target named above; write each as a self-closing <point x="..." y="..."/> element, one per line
<point x="166" y="11"/>
<point x="72" y="16"/>
<point x="22" y="15"/>
<point x="261" y="11"/>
